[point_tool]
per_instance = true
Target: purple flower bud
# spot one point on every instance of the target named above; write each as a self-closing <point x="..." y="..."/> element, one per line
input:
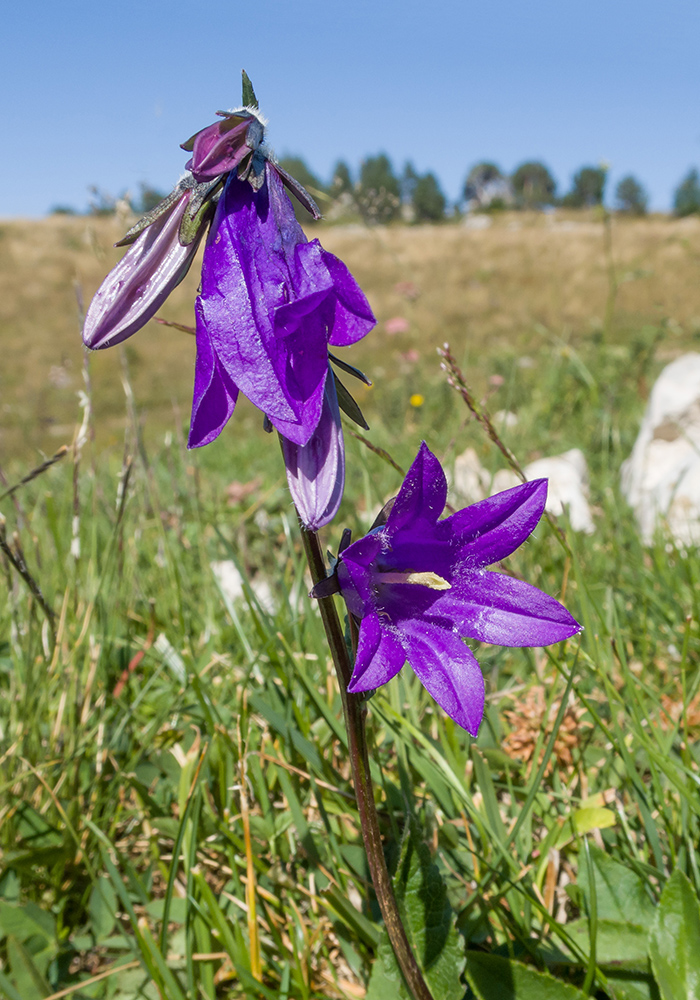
<point x="316" y="470"/>
<point x="418" y="584"/>
<point x="220" y="147"/>
<point x="134" y="290"/>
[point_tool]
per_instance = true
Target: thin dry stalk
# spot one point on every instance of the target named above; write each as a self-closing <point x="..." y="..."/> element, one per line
<point x="15" y="556"/>
<point x="456" y="380"/>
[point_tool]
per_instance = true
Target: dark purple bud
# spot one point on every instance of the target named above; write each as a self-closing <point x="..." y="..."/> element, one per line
<point x="220" y="147"/>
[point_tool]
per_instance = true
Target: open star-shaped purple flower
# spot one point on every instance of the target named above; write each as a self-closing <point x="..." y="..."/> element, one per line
<point x="418" y="584"/>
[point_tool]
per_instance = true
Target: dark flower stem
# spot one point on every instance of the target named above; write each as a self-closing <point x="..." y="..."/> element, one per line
<point x="354" y="710"/>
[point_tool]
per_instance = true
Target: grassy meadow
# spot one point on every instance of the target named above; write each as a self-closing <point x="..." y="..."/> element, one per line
<point x="176" y="814"/>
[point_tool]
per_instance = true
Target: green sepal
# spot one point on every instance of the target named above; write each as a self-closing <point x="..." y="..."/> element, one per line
<point x="350" y="369"/>
<point x="150" y="217"/>
<point x="249" y="98"/>
<point x="299" y="192"/>
<point x="347" y="404"/>
<point x="192" y="227"/>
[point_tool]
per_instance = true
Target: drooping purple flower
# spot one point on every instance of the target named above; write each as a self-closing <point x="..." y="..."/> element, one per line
<point x="419" y="584"/>
<point x="316" y="470"/>
<point x="152" y="267"/>
<point x="270" y="305"/>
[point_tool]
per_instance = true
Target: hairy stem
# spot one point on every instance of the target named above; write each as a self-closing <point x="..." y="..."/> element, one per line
<point x="355" y="711"/>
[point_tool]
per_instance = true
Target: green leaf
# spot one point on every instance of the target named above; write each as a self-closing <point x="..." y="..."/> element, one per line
<point x="429" y="922"/>
<point x="493" y="977"/>
<point x="674" y="946"/>
<point x="623" y="946"/>
<point x="27" y="977"/>
<point x="24" y="922"/>
<point x="621" y="894"/>
<point x="628" y="986"/>
<point x="103" y="907"/>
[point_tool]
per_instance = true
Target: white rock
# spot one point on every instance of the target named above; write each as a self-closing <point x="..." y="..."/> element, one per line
<point x="568" y="486"/>
<point x="230" y="584"/>
<point x="506" y="418"/>
<point x="228" y="578"/>
<point x="567" y="475"/>
<point x="470" y="480"/>
<point x="661" y="478"/>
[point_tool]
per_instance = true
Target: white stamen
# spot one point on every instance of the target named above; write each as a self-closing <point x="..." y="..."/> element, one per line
<point x="428" y="579"/>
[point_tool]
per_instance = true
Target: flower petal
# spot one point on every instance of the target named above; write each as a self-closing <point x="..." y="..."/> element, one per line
<point x="352" y="316"/>
<point x="493" y="528"/>
<point x="422" y="495"/>
<point x="135" y="289"/>
<point x="379" y="657"/>
<point x="249" y="271"/>
<point x="355" y="575"/>
<point x="316" y="470"/>
<point x="447" y="669"/>
<point x="495" y="608"/>
<point x="214" y="395"/>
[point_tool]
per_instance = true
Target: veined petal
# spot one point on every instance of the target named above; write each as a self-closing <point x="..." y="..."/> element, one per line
<point x="422" y="496"/>
<point x="379" y="657"/>
<point x="316" y="470"/>
<point x="249" y="271"/>
<point x="495" y="608"/>
<point x="447" y="669"/>
<point x="352" y="317"/>
<point x="355" y="573"/>
<point x="214" y="396"/>
<point x="493" y="528"/>
<point x="135" y="289"/>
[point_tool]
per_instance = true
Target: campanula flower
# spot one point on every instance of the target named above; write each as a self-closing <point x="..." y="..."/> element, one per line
<point x="419" y="584"/>
<point x="271" y="304"/>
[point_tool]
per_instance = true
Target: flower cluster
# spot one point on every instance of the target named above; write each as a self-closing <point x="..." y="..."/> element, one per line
<point x="418" y="584"/>
<point x="271" y="302"/>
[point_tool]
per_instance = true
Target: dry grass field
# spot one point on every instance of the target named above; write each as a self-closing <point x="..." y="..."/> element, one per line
<point x="522" y="283"/>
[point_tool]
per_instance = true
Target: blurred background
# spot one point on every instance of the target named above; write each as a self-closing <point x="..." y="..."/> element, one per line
<point x="100" y="97"/>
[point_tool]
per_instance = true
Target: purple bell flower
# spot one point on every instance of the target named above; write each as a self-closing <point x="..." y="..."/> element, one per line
<point x="418" y="584"/>
<point x="270" y="305"/>
<point x="136" y="288"/>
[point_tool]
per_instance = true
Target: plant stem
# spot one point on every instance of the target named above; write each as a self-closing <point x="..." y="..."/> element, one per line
<point x="355" y="712"/>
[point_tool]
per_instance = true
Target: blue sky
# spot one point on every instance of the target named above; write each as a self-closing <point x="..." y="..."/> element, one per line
<point x="103" y="94"/>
